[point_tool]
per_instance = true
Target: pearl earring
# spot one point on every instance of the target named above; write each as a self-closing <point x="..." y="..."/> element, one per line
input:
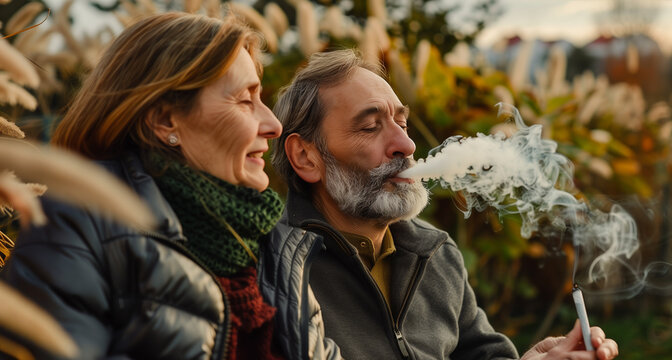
<point x="172" y="139"/>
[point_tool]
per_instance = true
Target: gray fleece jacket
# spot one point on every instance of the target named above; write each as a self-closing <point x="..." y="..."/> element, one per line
<point x="432" y="313"/>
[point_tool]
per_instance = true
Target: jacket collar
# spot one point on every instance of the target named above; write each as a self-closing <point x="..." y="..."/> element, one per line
<point x="415" y="236"/>
<point x="129" y="169"/>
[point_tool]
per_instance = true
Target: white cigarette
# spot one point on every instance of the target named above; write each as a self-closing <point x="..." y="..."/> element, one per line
<point x="583" y="317"/>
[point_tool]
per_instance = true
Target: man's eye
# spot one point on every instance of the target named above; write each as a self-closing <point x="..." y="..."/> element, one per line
<point x="370" y="129"/>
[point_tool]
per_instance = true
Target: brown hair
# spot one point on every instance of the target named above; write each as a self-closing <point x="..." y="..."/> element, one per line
<point x="300" y="110"/>
<point x="159" y="63"/>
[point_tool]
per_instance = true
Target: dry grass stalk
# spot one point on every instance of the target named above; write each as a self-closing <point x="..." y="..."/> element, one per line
<point x="34" y="41"/>
<point x="421" y="58"/>
<point x="377" y="9"/>
<point x="22" y="18"/>
<point x="401" y="77"/>
<point x="62" y="25"/>
<point x="213" y="8"/>
<point x="258" y="22"/>
<point x="459" y="56"/>
<point x="375" y="40"/>
<point x="21" y="316"/>
<point x="14" y="195"/>
<point x="148" y="7"/>
<point x="518" y="70"/>
<point x="502" y="94"/>
<point x="75" y="180"/>
<point x="333" y="22"/>
<point x="10" y="129"/>
<point x="191" y="6"/>
<point x="13" y="94"/>
<point x="276" y="18"/>
<point x="19" y="69"/>
<point x="309" y="41"/>
<point x="134" y="11"/>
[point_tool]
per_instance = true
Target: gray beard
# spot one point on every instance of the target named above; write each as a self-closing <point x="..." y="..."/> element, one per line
<point x="360" y="194"/>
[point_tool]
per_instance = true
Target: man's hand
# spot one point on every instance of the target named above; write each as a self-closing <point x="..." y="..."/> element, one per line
<point x="571" y="347"/>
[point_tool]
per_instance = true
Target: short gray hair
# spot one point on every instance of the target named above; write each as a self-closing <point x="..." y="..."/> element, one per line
<point x="300" y="110"/>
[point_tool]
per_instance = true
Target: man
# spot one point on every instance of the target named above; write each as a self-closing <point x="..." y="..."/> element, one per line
<point x="390" y="286"/>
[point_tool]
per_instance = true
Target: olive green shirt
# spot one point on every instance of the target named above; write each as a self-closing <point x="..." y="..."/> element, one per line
<point x="380" y="267"/>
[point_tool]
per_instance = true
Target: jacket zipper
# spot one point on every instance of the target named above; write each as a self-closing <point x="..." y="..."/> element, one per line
<point x="312" y="252"/>
<point x="394" y="325"/>
<point x="220" y="351"/>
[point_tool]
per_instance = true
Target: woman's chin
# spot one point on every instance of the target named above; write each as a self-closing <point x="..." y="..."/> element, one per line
<point x="257" y="181"/>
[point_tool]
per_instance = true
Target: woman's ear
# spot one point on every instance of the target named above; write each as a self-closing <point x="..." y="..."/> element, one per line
<point x="304" y="157"/>
<point x="162" y="122"/>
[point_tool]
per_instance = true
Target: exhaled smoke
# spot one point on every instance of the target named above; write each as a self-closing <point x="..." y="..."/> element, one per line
<point x="523" y="174"/>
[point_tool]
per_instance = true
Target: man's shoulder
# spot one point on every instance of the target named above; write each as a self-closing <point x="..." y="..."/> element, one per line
<point x="420" y="235"/>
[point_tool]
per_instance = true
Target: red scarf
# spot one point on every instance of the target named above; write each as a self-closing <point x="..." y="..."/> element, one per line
<point x="251" y="335"/>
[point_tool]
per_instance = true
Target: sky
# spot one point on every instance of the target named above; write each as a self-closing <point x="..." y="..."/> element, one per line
<point x="572" y="20"/>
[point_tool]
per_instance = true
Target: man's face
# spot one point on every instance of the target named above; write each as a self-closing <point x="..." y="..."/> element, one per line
<point x="366" y="146"/>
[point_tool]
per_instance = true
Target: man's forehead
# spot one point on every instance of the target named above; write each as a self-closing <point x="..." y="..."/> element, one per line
<point x="363" y="89"/>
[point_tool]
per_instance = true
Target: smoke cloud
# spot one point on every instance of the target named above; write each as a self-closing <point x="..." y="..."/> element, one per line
<point x="523" y="175"/>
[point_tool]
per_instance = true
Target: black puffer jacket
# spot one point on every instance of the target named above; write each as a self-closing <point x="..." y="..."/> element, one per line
<point x="118" y="292"/>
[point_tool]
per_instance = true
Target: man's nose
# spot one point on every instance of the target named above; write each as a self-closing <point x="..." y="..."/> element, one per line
<point x="399" y="144"/>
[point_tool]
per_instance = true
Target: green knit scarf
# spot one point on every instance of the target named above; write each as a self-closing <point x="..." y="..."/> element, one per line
<point x="222" y="222"/>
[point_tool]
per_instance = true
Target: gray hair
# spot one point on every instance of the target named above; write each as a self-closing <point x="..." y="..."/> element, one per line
<point x="300" y="110"/>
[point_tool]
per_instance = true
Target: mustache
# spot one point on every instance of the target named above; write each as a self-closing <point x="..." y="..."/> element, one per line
<point x="380" y="174"/>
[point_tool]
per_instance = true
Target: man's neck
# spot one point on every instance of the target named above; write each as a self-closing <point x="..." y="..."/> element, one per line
<point x="373" y="229"/>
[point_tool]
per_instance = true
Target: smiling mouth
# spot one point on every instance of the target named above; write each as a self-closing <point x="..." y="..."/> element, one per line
<point x="256" y="155"/>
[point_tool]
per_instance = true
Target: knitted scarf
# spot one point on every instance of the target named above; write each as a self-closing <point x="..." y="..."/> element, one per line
<point x="222" y="222"/>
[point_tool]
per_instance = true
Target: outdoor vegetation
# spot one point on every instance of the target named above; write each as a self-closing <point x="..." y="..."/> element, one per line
<point x="617" y="139"/>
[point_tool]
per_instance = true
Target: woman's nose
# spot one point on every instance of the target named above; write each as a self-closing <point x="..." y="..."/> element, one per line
<point x="269" y="126"/>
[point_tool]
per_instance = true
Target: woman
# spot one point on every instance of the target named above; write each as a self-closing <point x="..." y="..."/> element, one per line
<point x="174" y="109"/>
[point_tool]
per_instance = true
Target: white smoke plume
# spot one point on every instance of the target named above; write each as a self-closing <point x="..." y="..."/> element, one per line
<point x="523" y="174"/>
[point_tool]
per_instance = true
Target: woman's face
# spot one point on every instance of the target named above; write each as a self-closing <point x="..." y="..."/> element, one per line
<point x="227" y="132"/>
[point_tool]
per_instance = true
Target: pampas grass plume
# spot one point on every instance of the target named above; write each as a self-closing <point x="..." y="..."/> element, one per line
<point x="22" y="18"/>
<point x="276" y="18"/>
<point x="309" y="41"/>
<point x="191" y="6"/>
<point x="10" y="129"/>
<point x="258" y="22"/>
<point x="75" y="180"/>
<point x="333" y="22"/>
<point x="213" y="8"/>
<point x="13" y="94"/>
<point x="422" y="52"/>
<point x="376" y="8"/>
<point x="21" y="316"/>
<point x="14" y="195"/>
<point x="19" y="69"/>
<point x="401" y="76"/>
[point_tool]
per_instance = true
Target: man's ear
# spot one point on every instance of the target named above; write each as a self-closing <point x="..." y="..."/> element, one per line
<point x="162" y="122"/>
<point x="305" y="158"/>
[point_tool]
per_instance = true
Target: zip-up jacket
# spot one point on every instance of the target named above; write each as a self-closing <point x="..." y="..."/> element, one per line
<point x="284" y="266"/>
<point x="432" y="311"/>
<point x="118" y="292"/>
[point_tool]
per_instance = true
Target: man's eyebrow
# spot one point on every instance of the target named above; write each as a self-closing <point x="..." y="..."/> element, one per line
<point x="404" y="110"/>
<point x="366" y="112"/>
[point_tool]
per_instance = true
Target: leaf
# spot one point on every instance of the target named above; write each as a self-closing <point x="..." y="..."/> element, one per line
<point x="558" y="102"/>
<point x="626" y="167"/>
<point x="618" y="148"/>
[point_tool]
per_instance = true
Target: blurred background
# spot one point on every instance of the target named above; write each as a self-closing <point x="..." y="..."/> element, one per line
<point x="594" y="73"/>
